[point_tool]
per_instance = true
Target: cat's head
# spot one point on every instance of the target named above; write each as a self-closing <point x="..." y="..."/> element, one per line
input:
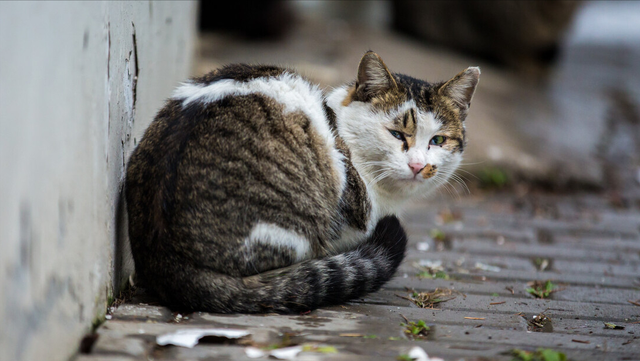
<point x="406" y="135"/>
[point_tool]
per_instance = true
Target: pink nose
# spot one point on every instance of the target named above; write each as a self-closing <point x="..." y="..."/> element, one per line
<point x="416" y="167"/>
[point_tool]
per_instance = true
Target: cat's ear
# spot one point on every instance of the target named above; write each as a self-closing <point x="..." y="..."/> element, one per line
<point x="462" y="86"/>
<point x="374" y="77"/>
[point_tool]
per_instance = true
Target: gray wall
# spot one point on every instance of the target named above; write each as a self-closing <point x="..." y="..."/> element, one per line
<point x="79" y="83"/>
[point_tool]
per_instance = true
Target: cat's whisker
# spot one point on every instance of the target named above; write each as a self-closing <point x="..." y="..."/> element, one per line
<point x="475" y="163"/>
<point x="376" y="167"/>
<point x="440" y="184"/>
<point x="381" y="176"/>
<point x="461" y="182"/>
<point x="467" y="172"/>
<point x="443" y="178"/>
<point x="377" y="171"/>
<point x="371" y="181"/>
<point x="375" y="162"/>
<point x="452" y="186"/>
<point x="458" y="178"/>
<point x="447" y="186"/>
<point x="378" y="175"/>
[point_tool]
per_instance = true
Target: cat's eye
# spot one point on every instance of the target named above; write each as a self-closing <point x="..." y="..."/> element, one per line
<point x="397" y="135"/>
<point x="437" y="140"/>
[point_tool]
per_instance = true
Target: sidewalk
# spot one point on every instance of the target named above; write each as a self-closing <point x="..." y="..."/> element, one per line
<point x="484" y="249"/>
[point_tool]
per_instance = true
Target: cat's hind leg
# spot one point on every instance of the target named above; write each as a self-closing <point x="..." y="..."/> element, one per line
<point x="299" y="287"/>
<point x="270" y="246"/>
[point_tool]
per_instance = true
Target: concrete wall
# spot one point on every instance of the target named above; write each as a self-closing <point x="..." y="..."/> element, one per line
<point x="79" y="83"/>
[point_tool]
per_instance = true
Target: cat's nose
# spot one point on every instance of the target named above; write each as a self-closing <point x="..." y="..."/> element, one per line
<point x="416" y="167"/>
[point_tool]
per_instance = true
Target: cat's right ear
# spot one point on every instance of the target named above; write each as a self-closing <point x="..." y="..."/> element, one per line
<point x="374" y="78"/>
<point x="462" y="87"/>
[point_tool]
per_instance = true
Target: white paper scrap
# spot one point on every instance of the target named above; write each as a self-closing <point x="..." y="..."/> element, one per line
<point x="434" y="265"/>
<point x="286" y="353"/>
<point x="189" y="337"/>
<point x="418" y="354"/>
<point x="254" y="352"/>
<point x="486" y="267"/>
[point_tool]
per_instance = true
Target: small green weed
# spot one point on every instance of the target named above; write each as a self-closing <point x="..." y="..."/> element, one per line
<point x="319" y="349"/>
<point x="542" y="354"/>
<point x="433" y="275"/>
<point x="417" y="330"/>
<point x="430" y="299"/>
<point x="287" y="341"/>
<point x="493" y="178"/>
<point x="438" y="235"/>
<point x="613" y="326"/>
<point x="542" y="289"/>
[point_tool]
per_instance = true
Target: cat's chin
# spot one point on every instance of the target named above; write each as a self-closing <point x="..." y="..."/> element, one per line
<point x="411" y="182"/>
<point x="404" y="187"/>
<point x="415" y="180"/>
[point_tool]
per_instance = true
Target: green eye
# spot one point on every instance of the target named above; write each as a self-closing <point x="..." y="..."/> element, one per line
<point x="437" y="140"/>
<point x="397" y="134"/>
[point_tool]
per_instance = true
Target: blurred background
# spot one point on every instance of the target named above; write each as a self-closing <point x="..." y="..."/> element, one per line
<point x="557" y="109"/>
<point x="557" y="104"/>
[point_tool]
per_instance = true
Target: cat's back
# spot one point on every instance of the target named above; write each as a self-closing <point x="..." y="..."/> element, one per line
<point x="238" y="146"/>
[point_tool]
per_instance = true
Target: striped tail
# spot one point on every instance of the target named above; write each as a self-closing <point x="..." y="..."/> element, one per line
<point x="299" y="287"/>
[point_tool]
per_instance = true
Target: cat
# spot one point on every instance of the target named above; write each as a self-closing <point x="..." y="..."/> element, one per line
<point x="252" y="191"/>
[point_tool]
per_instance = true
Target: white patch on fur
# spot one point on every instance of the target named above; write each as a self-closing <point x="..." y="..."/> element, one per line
<point x="351" y="237"/>
<point x="270" y="234"/>
<point x="290" y="90"/>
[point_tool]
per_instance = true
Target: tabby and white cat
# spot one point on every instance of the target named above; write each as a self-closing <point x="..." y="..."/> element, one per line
<point x="253" y="191"/>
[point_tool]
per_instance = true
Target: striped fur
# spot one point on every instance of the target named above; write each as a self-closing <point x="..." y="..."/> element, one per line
<point x="300" y="287"/>
<point x="244" y="195"/>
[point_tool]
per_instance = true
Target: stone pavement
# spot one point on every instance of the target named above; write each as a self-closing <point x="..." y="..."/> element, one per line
<point x="481" y="250"/>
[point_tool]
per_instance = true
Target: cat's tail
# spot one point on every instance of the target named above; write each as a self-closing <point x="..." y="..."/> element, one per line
<point x="299" y="287"/>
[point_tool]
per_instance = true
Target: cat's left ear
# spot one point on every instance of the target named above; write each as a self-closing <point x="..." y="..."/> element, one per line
<point x="374" y="78"/>
<point x="462" y="86"/>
